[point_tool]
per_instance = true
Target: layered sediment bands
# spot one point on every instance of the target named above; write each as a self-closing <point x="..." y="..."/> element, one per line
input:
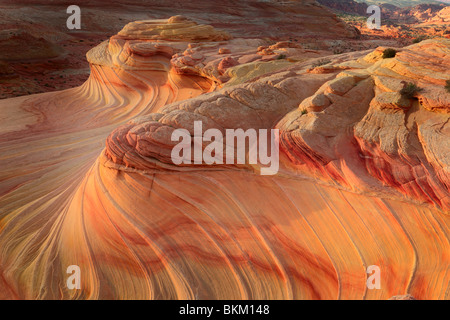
<point x="203" y="236"/>
<point x="146" y="142"/>
<point x="177" y="28"/>
<point x="184" y="47"/>
<point x="48" y="143"/>
<point x="87" y="179"/>
<point x="360" y="127"/>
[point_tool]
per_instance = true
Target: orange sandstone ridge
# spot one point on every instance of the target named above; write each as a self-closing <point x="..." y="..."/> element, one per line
<point x="363" y="180"/>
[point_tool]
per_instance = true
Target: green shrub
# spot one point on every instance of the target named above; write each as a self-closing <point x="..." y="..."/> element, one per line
<point x="389" y="53"/>
<point x="409" y="90"/>
<point x="447" y="86"/>
<point x="281" y="56"/>
<point x="321" y="62"/>
<point x="304" y="111"/>
<point x="419" y="39"/>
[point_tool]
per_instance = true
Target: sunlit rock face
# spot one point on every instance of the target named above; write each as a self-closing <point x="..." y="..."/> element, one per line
<point x="366" y="132"/>
<point x="87" y="179"/>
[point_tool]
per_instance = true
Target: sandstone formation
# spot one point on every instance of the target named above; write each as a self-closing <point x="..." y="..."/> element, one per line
<point x="87" y="179"/>
<point x="43" y="31"/>
<point x="416" y="21"/>
<point x="441" y="17"/>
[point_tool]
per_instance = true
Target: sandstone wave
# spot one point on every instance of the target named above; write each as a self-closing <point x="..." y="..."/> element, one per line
<point x="87" y="178"/>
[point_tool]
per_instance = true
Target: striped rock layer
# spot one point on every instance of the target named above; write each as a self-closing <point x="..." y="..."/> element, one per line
<point x="86" y="176"/>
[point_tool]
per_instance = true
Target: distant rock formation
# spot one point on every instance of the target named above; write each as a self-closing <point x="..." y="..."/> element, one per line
<point x="346" y="6"/>
<point x="417" y="22"/>
<point x="19" y="45"/>
<point x="402" y="3"/>
<point x="441" y="17"/>
<point x="412" y="15"/>
<point x="39" y="66"/>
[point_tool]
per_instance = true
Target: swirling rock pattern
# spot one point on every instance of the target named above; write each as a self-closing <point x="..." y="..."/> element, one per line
<point x="362" y="181"/>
